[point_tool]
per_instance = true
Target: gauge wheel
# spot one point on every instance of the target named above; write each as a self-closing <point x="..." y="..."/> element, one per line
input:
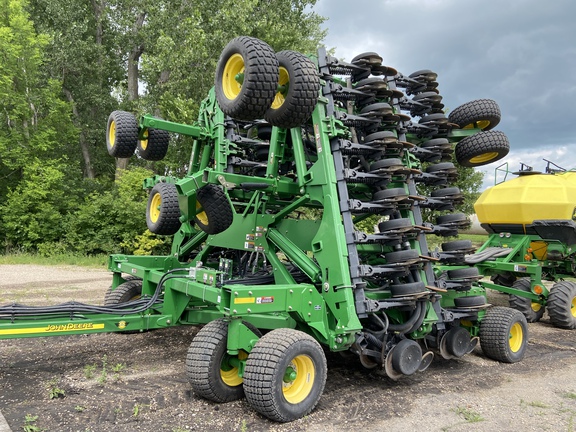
<point x="297" y="94"/>
<point x="121" y="134"/>
<point x="163" y="211"/>
<point x="214" y="212"/>
<point x="482" y="148"/>
<point x="482" y="114"/>
<point x="155" y="145"/>
<point x="246" y="78"/>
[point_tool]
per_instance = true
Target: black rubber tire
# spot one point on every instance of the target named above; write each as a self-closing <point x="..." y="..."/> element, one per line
<point x="389" y="194"/>
<point x="435" y="142"/>
<point x="401" y="256"/>
<point x="267" y="365"/>
<point x="482" y="113"/>
<point x="385" y="163"/>
<point x="456" y="245"/>
<point x="463" y="273"/>
<point x="121" y="134"/>
<point x="394" y="224"/>
<point x="442" y="166"/>
<point x="504" y="334"/>
<point x="295" y="106"/>
<point x="445" y="192"/>
<point x="453" y="217"/>
<point x="381" y="136"/>
<point x="217" y="214"/>
<point x="129" y="290"/>
<point x="126" y="278"/>
<point x="156" y="146"/>
<point x="470" y="301"/>
<point x="204" y="364"/>
<point x="562" y="305"/>
<point x="532" y="311"/>
<point x="406" y="289"/>
<point x="482" y="148"/>
<point x="162" y="211"/>
<point x="258" y="62"/>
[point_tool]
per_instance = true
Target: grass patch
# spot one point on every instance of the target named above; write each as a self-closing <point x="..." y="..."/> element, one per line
<point x="98" y="261"/>
<point x="469" y="415"/>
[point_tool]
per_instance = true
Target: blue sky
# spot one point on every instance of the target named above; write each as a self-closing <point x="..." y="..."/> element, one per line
<point x="521" y="53"/>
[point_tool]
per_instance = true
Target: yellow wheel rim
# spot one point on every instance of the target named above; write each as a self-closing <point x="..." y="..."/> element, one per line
<point x="231" y="80"/>
<point x="112" y="133"/>
<point x="283" y="82"/>
<point x="573" y="307"/>
<point x="144" y="143"/>
<point x="485" y="157"/>
<point x="155" y="206"/>
<point x="230" y="377"/>
<point x="482" y="124"/>
<point x="516" y="337"/>
<point x="536" y="306"/>
<point x="202" y="216"/>
<point x="298" y="379"/>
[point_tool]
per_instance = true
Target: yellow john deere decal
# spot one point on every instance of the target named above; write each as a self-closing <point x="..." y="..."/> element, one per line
<point x="243" y="300"/>
<point x="53" y="328"/>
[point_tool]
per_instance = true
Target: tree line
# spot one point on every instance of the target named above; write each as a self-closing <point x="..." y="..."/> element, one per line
<point x="65" y="65"/>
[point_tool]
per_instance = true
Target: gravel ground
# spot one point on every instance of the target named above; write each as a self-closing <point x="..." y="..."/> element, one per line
<point x="118" y="382"/>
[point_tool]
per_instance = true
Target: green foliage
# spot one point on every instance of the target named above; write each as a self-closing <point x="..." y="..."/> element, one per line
<point x="469" y="182"/>
<point x="109" y="221"/>
<point x="30" y="424"/>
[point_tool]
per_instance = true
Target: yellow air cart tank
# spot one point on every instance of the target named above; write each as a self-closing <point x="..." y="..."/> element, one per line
<point x="512" y="205"/>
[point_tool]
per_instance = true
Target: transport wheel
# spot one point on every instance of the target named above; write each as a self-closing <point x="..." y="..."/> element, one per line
<point x="481" y="113"/>
<point x="155" y="146"/>
<point x="482" y="148"/>
<point x="297" y="94"/>
<point x="121" y="134"/>
<point x="532" y="310"/>
<point x="210" y="368"/>
<point x="125" y="292"/>
<point x="562" y="305"/>
<point x="504" y="334"/>
<point x="246" y="78"/>
<point x="285" y="375"/>
<point x="162" y="211"/>
<point x="126" y="279"/>
<point x="215" y="213"/>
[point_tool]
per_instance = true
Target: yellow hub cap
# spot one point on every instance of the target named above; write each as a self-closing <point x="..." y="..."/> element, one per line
<point x="482" y="124"/>
<point x="231" y="82"/>
<point x="155" y="206"/>
<point x="112" y="133"/>
<point x="144" y="142"/>
<point x="536" y="306"/>
<point x="230" y="376"/>
<point x="298" y="379"/>
<point x="283" y="82"/>
<point x="202" y="216"/>
<point x="485" y="157"/>
<point x="573" y="307"/>
<point x="516" y="337"/>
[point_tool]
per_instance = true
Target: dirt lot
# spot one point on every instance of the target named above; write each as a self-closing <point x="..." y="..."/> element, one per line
<point x="116" y="382"/>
